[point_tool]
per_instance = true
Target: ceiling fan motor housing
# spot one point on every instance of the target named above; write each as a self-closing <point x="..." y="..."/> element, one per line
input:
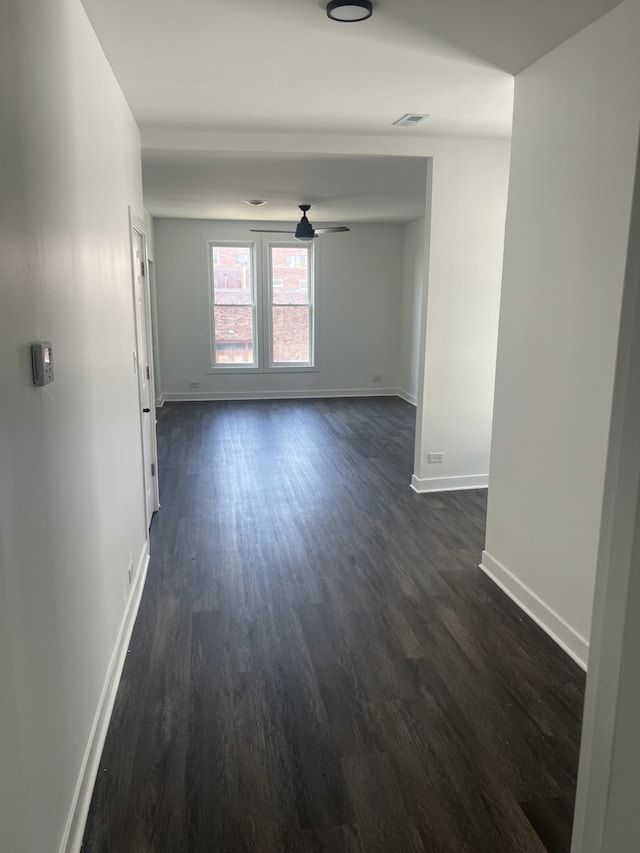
<point x="304" y="229"/>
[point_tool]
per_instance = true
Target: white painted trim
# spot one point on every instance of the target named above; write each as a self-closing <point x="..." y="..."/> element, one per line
<point x="203" y="396"/>
<point x="410" y="398"/>
<point x="423" y="485"/>
<point x="74" y="830"/>
<point x="143" y="329"/>
<point x="565" y="636"/>
<point x="422" y="343"/>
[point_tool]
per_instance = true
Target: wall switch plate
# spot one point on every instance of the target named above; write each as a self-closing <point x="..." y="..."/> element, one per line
<point x="435" y="457"/>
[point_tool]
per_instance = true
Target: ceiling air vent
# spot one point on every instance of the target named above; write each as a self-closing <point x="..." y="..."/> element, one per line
<point x="409" y="120"/>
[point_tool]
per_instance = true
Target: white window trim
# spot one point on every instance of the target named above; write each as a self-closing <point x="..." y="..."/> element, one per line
<point x="233" y="367"/>
<point x="261" y="269"/>
<point x="267" y="294"/>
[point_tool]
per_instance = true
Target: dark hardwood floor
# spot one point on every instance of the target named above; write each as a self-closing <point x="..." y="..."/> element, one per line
<point x="318" y="664"/>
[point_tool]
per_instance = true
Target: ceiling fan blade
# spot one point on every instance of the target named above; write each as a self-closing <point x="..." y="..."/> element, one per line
<point x="304" y="230"/>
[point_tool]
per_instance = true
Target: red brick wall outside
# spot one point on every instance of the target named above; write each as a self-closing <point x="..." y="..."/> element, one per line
<point x="233" y="322"/>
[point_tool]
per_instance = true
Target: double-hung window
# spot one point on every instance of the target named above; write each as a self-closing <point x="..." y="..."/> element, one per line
<point x="233" y="305"/>
<point x="290" y="306"/>
<point x="261" y="306"/>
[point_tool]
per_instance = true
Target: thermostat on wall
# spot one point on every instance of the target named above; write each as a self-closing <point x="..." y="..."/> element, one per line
<point x="42" y="362"/>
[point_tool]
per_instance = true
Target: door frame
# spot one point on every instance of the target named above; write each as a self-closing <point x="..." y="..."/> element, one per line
<point x="137" y="227"/>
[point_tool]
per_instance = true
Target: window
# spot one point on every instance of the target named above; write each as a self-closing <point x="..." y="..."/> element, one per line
<point x="261" y="306"/>
<point x="233" y="305"/>
<point x="291" y="317"/>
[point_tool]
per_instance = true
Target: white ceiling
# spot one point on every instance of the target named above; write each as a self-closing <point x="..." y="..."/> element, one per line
<point x="213" y="185"/>
<point x="281" y="66"/>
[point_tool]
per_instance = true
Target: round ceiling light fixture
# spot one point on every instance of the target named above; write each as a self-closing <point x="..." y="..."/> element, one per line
<point x="255" y="202"/>
<point x="349" y="10"/>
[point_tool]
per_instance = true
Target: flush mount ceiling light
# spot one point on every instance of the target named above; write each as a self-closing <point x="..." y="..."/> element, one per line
<point x="255" y="202"/>
<point x="349" y="10"/>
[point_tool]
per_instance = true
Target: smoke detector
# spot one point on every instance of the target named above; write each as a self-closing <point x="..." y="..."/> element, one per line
<point x="409" y="120"/>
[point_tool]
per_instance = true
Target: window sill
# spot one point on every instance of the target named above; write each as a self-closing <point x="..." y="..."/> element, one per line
<point x="264" y="371"/>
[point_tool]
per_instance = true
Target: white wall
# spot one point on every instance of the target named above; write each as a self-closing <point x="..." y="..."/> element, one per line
<point x="149" y="234"/>
<point x="413" y="287"/>
<point x="13" y="794"/>
<point x="607" y="815"/>
<point x="71" y="509"/>
<point x="575" y="134"/>
<point x="468" y="204"/>
<point x="358" y="311"/>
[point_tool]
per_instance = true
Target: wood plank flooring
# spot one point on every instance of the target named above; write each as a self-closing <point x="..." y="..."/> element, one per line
<point x="318" y="664"/>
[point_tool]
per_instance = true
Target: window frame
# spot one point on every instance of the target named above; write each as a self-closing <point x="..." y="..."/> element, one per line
<point x="262" y="296"/>
<point x="268" y="304"/>
<point x="234" y="367"/>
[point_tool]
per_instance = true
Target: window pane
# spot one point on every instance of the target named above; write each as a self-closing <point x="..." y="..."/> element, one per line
<point x="232" y="277"/>
<point x="290" y="275"/>
<point x="290" y="334"/>
<point x="233" y="335"/>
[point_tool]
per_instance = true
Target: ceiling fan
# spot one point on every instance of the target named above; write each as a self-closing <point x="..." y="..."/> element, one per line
<point x="304" y="228"/>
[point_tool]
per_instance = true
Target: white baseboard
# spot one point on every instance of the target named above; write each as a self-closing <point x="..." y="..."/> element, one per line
<point x="74" y="830"/>
<point x="543" y="615"/>
<point x="203" y="396"/>
<point x="423" y="485"/>
<point x="405" y="395"/>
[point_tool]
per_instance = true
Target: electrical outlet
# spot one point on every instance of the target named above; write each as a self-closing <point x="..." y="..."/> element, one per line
<point x="194" y="385"/>
<point x="435" y="457"/>
<point x="376" y="377"/>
